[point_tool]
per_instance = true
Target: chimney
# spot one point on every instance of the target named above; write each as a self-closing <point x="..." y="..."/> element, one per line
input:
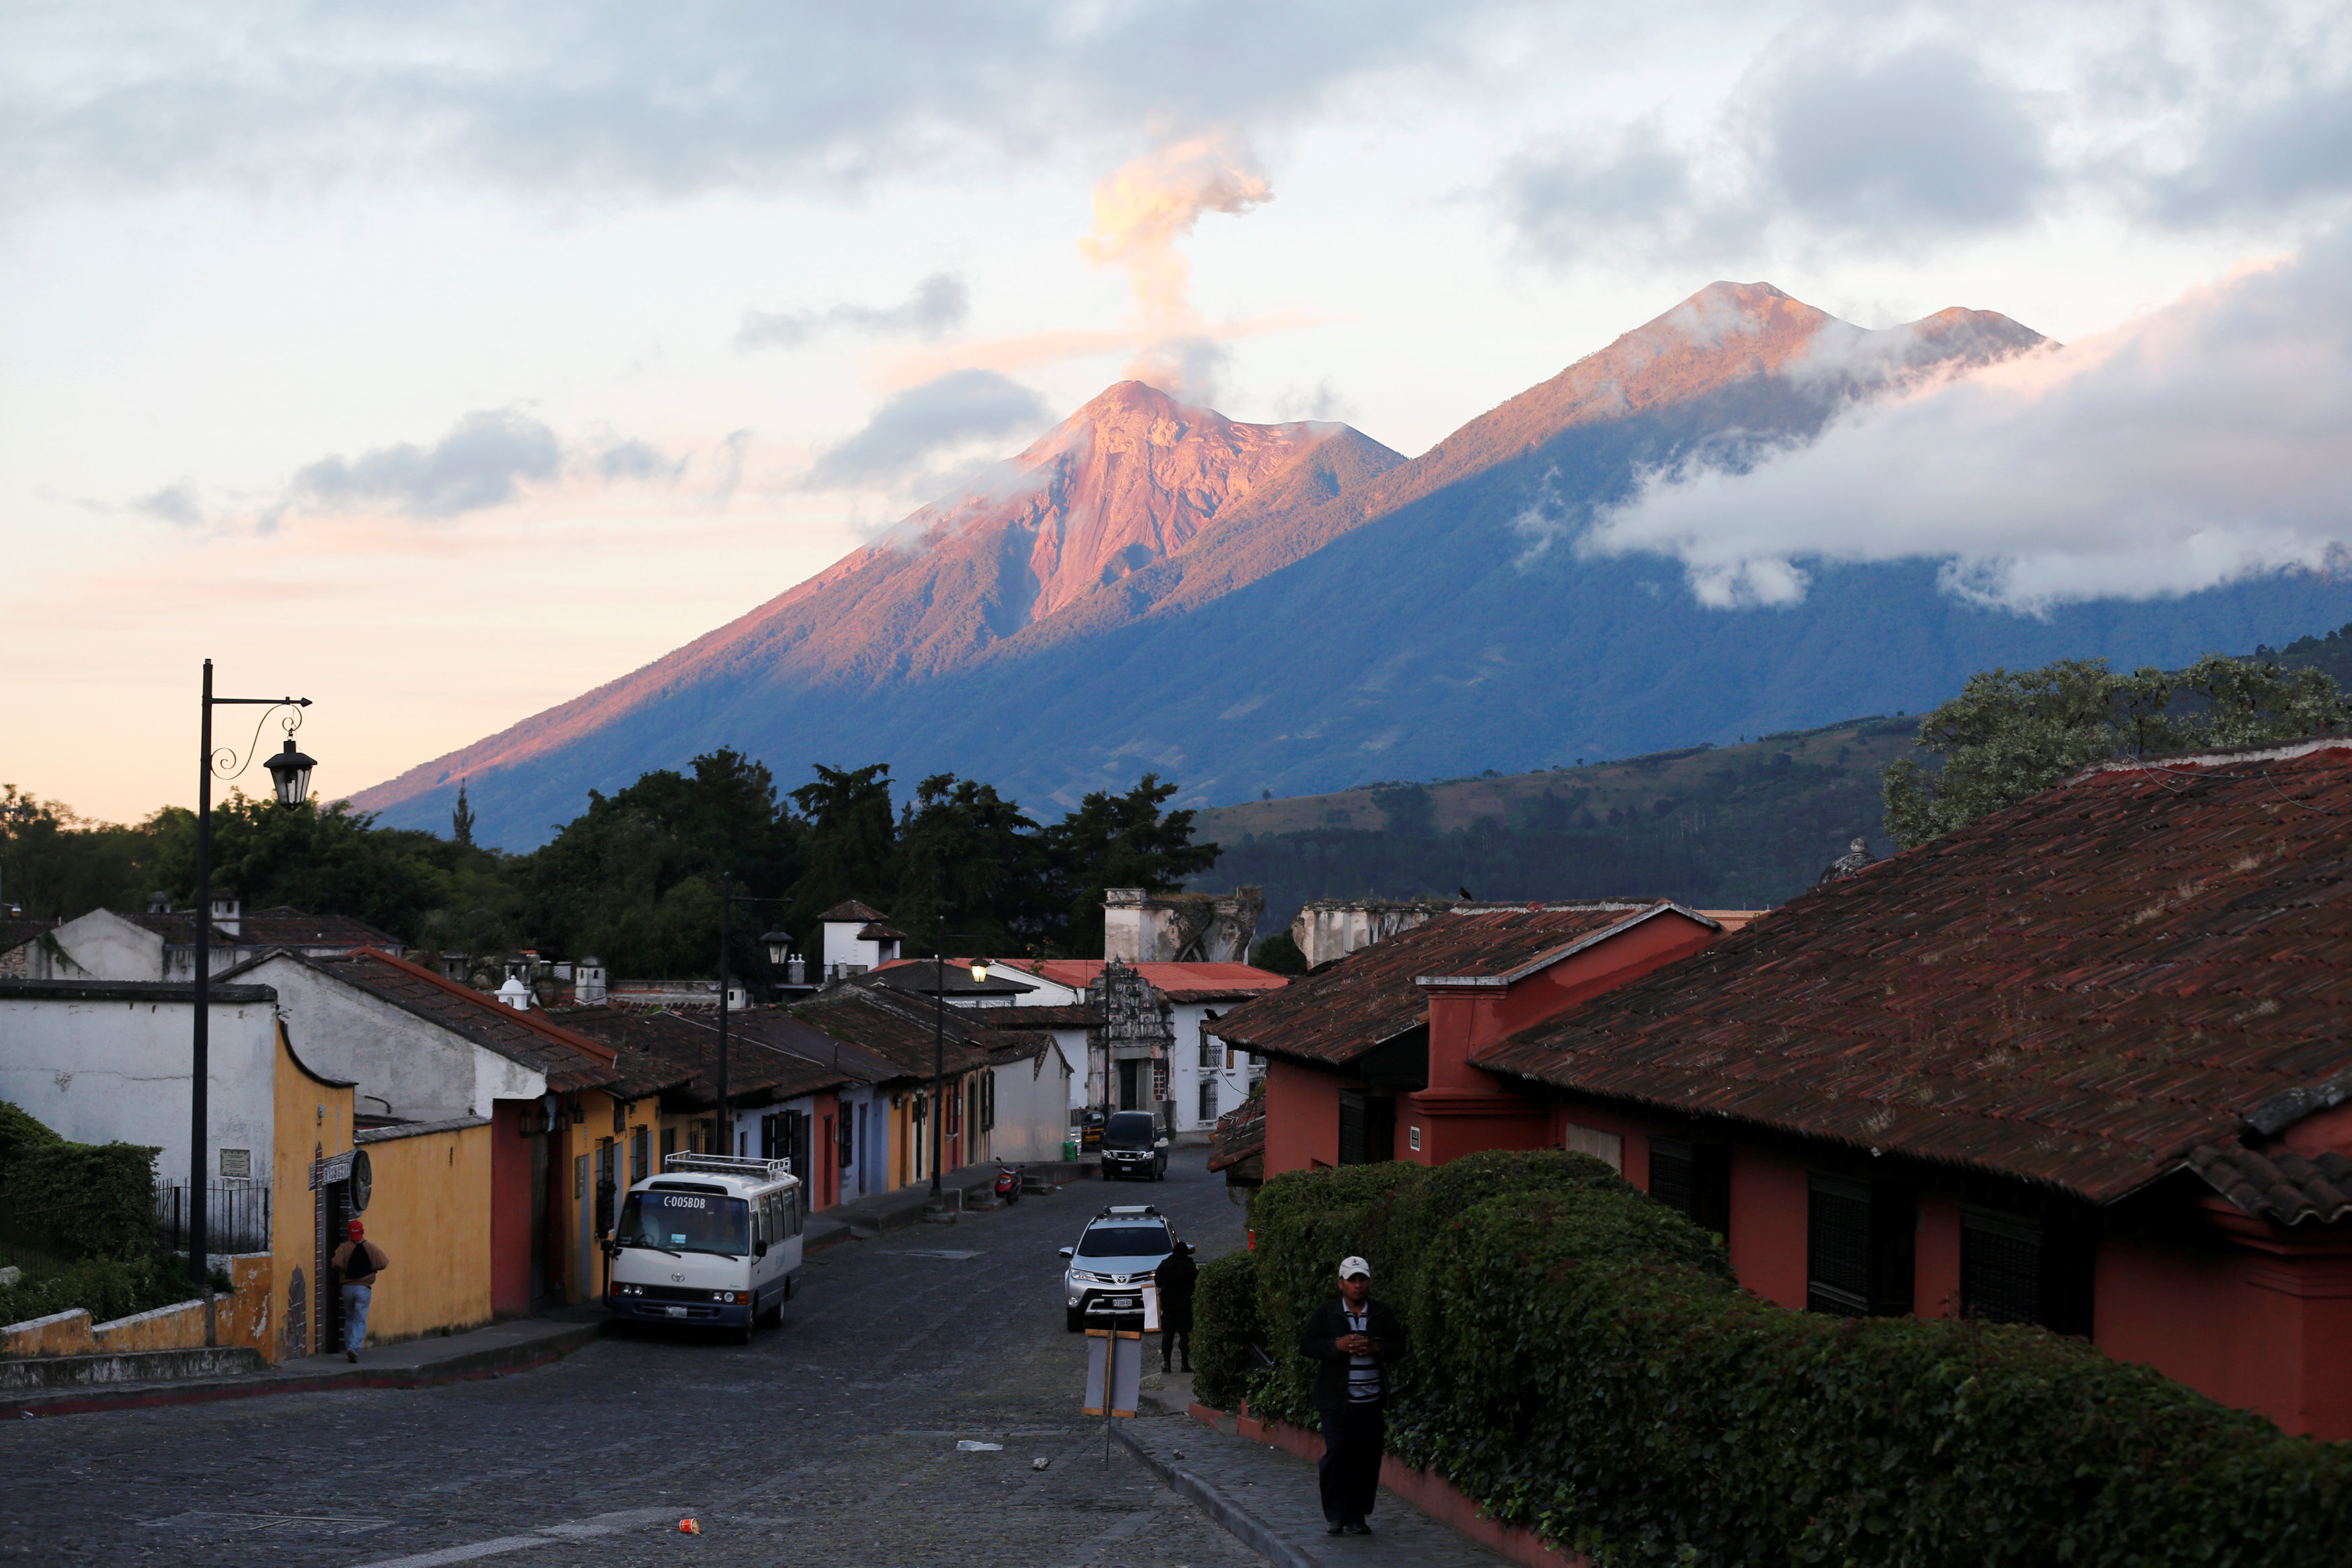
<point x="589" y="979"/>
<point x="228" y="913"/>
<point x="455" y="966"/>
<point x="515" y="994"/>
<point x="159" y="903"/>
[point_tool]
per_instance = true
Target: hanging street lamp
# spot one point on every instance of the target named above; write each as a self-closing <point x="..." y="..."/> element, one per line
<point x="289" y="776"/>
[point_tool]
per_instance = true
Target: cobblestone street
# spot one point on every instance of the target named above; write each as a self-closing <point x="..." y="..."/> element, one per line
<point x="832" y="1439"/>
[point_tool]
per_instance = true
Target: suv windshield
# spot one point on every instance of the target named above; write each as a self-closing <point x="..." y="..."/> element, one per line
<point x="686" y="1222"/>
<point x="1149" y="1240"/>
<point x="1133" y="1129"/>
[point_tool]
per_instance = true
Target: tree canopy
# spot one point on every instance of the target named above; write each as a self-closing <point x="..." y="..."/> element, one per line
<point x="637" y="879"/>
<point x="2012" y="732"/>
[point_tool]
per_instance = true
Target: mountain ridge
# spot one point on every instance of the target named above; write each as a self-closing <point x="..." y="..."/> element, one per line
<point x="1349" y="614"/>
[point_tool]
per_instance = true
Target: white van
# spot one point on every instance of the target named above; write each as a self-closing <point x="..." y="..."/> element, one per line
<point x="712" y="1241"/>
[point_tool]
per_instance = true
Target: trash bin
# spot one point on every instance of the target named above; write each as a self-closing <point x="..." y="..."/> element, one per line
<point x="1069" y="1149"/>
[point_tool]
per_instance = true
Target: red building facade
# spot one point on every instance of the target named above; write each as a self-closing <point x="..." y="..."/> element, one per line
<point x="2082" y="1063"/>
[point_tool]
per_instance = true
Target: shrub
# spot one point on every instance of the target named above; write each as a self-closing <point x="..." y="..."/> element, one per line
<point x="1224" y="1327"/>
<point x="1585" y="1366"/>
<point x="106" y="1288"/>
<point x="84" y="1199"/>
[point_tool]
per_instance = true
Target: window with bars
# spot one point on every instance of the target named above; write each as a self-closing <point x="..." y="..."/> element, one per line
<point x="1859" y="1246"/>
<point x="638" y="1150"/>
<point x="1694" y="1178"/>
<point x="2023" y="1269"/>
<point x="1208" y="1100"/>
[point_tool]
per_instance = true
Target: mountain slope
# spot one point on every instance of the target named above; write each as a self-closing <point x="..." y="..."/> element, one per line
<point x="1351" y="616"/>
<point x="1127" y="480"/>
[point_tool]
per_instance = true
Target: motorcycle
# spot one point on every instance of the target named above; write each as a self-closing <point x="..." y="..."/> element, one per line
<point x="1008" y="1184"/>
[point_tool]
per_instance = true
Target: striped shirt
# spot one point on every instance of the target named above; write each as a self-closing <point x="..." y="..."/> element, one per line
<point x="1363" y="1371"/>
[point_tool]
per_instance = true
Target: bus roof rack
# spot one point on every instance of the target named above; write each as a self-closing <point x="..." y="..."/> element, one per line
<point x="729" y="1165"/>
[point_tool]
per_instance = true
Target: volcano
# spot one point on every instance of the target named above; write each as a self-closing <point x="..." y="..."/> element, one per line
<point x="1296" y="608"/>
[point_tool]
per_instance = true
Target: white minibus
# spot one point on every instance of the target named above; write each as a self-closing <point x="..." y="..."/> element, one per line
<point x="712" y="1242"/>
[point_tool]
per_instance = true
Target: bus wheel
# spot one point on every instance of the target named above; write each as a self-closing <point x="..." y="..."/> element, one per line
<point x="741" y="1336"/>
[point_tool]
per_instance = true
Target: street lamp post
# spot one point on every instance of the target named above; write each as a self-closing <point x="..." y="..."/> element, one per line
<point x="289" y="775"/>
<point x="940" y="1044"/>
<point x="775" y="941"/>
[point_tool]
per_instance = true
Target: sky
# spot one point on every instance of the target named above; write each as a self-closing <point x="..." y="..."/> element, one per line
<point x="440" y="363"/>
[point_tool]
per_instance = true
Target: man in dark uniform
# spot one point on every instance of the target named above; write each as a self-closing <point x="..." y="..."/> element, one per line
<point x="1353" y="1341"/>
<point x="1176" y="1276"/>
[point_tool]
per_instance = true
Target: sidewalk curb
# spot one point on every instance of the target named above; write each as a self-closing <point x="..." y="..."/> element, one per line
<point x="1229" y="1516"/>
<point x="497" y="1362"/>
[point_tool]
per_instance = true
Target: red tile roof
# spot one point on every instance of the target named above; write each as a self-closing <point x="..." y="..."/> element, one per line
<point x="898" y="1031"/>
<point x="850" y="909"/>
<point x="1075" y="1014"/>
<point x="2078" y="990"/>
<point x="1344" y="1008"/>
<point x="771" y="1056"/>
<point x="570" y="1060"/>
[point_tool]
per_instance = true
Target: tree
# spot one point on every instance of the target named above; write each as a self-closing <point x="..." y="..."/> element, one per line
<point x="1278" y="954"/>
<point x="969" y="859"/>
<point x="461" y="818"/>
<point x="325" y="860"/>
<point x="851" y="841"/>
<point x="55" y="864"/>
<point x="1119" y="840"/>
<point x="2010" y="734"/>
<point x="636" y="878"/>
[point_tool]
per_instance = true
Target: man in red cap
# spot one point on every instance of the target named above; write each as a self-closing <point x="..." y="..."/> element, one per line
<point x="357" y="1262"/>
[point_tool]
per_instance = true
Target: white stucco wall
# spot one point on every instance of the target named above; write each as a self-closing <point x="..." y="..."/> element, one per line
<point x="1185" y="1071"/>
<point x="1033" y="1108"/>
<point x="103" y="946"/>
<point x="426" y="1072"/>
<point x="108" y="1072"/>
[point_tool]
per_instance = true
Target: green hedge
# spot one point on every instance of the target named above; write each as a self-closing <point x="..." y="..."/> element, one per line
<point x="106" y="1288"/>
<point x="1584" y="1365"/>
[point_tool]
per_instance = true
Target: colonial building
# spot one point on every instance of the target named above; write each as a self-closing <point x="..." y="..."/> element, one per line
<point x="2080" y="1063"/>
<point x="161" y="944"/>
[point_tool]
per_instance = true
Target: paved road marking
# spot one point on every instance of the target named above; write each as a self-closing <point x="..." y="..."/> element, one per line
<point x="547" y="1535"/>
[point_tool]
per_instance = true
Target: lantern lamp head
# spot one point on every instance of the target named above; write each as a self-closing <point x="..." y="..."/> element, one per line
<point x="780" y="946"/>
<point x="980" y="970"/>
<point x="289" y="774"/>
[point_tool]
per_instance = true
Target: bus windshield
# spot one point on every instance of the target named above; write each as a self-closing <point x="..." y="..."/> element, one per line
<point x="686" y="1222"/>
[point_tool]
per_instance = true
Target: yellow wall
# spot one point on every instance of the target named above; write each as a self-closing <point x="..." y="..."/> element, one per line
<point x="581" y="1138"/>
<point x="429" y="1209"/>
<point x="313" y="1121"/>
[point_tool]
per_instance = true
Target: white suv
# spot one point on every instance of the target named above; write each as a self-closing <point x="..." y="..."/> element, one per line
<point x="1121" y="1250"/>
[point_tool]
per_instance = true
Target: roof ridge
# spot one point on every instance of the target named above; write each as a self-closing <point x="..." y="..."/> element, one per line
<point x="595" y="1050"/>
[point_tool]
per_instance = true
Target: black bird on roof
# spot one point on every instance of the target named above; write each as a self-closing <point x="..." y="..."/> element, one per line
<point x="1465" y="895"/>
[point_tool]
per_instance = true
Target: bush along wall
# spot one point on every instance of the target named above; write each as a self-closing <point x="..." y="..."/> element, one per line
<point x="1585" y="1366"/>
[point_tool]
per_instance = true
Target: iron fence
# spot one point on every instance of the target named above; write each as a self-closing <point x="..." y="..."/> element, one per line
<point x="236" y="1217"/>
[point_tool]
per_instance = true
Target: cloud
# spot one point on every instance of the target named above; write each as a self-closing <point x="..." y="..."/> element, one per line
<point x="1880" y="131"/>
<point x="482" y="461"/>
<point x="177" y="504"/>
<point x="940" y="304"/>
<point x="2202" y="442"/>
<point x="1141" y="212"/>
<point x="609" y="101"/>
<point x="914" y="424"/>
<point x="1922" y="142"/>
<point x="640" y="461"/>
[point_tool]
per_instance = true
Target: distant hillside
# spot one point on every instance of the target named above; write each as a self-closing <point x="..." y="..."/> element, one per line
<point x="1733" y="827"/>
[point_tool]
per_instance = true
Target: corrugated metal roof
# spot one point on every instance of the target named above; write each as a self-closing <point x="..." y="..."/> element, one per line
<point x="2076" y="990"/>
<point x="1344" y="1008"/>
<point x="1212" y="981"/>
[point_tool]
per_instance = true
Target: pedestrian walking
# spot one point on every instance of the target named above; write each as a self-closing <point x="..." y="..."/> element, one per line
<point x="1176" y="1277"/>
<point x="357" y="1262"/>
<point x="1354" y="1340"/>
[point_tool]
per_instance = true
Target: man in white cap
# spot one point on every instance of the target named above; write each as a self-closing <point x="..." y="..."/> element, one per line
<point x="1353" y="1340"/>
